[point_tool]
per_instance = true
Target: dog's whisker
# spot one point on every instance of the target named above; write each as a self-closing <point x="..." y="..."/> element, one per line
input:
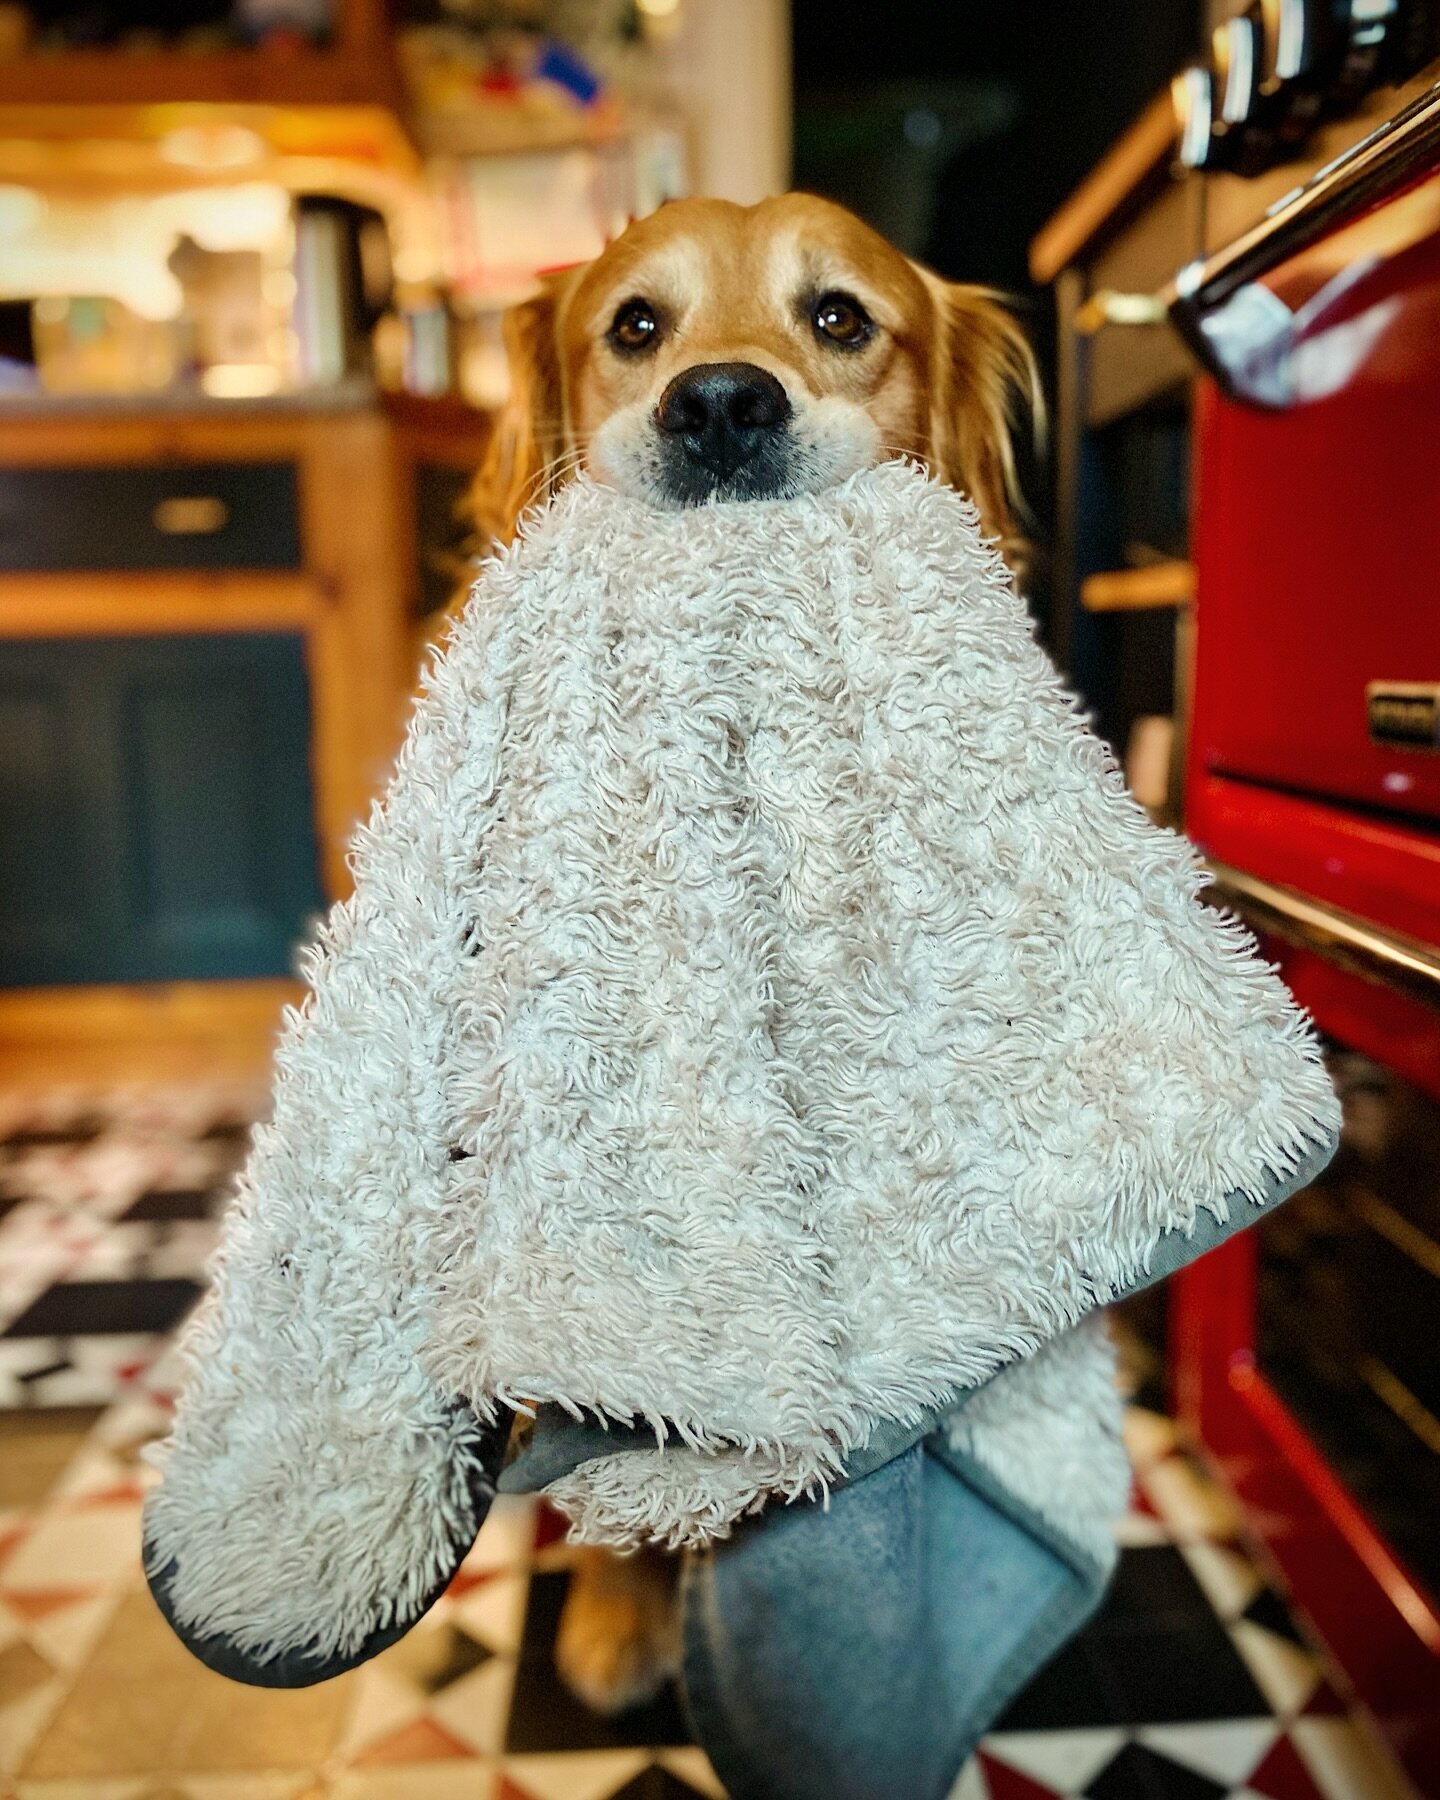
<point x="550" y="474"/>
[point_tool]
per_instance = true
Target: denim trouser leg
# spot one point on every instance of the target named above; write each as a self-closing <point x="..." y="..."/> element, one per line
<point x="857" y="1653"/>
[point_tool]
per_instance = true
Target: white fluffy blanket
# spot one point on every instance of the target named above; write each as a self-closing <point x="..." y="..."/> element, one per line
<point x="762" y="1012"/>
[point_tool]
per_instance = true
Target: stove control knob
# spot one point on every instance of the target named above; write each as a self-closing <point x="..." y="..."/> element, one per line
<point x="1323" y="55"/>
<point x="1192" y="93"/>
<point x="1241" y="138"/>
<point x="1235" y="58"/>
<point x="1293" y="63"/>
<point x="1291" y="34"/>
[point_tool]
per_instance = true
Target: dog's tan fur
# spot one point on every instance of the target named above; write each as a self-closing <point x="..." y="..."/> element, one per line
<point x="942" y="379"/>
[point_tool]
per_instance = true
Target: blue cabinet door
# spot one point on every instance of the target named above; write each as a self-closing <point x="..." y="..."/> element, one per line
<point x="155" y="808"/>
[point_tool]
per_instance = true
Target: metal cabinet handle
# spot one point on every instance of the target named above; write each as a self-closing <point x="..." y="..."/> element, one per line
<point x="1340" y="937"/>
<point x="1107" y="306"/>
<point x="187" y="515"/>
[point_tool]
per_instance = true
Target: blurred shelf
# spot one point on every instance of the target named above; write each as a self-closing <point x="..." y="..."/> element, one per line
<point x="514" y="128"/>
<point x="349" y="395"/>
<point x="1136" y="590"/>
<point x="114" y="78"/>
<point x="355" y="68"/>
<point x="121" y="146"/>
<point x="343" y="99"/>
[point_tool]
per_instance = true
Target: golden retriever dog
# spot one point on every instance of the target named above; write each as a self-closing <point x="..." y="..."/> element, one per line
<point x="724" y="352"/>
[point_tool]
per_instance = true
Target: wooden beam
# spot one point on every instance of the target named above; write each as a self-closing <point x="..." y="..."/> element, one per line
<point x="115" y="78"/>
<point x="1105" y="190"/>
<point x="349" y="603"/>
<point x="115" y="432"/>
<point x="147" y="1031"/>
<point x="361" y="675"/>
<point x="121" y="605"/>
<point x="1134" y="590"/>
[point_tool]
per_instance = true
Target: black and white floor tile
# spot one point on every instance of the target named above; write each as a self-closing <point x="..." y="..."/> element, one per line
<point x="108" y="1212"/>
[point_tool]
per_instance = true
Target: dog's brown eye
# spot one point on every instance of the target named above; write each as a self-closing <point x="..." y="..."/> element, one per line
<point x="843" y="320"/>
<point x="635" y="326"/>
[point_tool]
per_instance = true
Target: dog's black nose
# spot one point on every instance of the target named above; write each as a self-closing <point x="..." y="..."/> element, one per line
<point x="723" y="413"/>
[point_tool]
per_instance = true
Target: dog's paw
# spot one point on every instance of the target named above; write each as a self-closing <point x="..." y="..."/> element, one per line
<point x="619" y="1637"/>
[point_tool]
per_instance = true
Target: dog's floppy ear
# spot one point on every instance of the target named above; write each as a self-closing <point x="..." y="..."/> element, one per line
<point x="984" y="383"/>
<point x="522" y="457"/>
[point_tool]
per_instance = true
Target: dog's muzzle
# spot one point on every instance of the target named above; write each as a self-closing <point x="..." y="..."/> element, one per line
<point x="725" y="434"/>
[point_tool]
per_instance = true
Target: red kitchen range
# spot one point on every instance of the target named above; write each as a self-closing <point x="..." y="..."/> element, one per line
<point x="1248" y="557"/>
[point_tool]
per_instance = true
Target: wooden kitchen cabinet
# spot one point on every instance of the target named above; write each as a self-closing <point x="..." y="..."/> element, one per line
<point x="206" y="654"/>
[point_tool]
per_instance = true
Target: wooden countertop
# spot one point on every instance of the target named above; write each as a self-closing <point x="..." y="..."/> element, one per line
<point x="344" y="396"/>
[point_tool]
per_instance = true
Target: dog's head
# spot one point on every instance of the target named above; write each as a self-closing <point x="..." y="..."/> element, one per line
<point x="717" y="351"/>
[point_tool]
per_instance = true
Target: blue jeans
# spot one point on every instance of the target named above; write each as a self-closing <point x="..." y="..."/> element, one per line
<point x="858" y="1653"/>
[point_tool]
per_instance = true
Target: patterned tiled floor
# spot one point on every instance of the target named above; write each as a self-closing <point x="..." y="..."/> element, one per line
<point x="108" y="1206"/>
<point x="1193" y="1683"/>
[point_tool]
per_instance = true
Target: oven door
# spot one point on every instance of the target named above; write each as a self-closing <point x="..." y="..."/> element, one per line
<point x="1318" y="530"/>
<point x="1313" y="754"/>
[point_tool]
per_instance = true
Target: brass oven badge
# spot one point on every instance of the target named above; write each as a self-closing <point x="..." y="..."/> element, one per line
<point x="1404" y="715"/>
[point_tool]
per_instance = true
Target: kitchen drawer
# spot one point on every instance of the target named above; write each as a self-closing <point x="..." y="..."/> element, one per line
<point x="175" y="516"/>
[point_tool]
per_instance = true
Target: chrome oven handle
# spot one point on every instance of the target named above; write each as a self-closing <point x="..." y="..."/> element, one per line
<point x="1239" y="330"/>
<point x="1337" y="936"/>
